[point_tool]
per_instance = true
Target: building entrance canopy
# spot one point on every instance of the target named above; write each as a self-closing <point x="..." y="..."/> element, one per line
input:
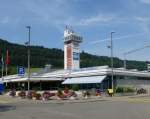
<point x="84" y="80"/>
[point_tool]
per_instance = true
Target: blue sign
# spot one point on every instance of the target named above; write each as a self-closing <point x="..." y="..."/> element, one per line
<point x="1" y="87"/>
<point x="21" y="71"/>
<point x="75" y="56"/>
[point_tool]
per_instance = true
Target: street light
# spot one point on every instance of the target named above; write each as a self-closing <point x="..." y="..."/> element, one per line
<point x="112" y="73"/>
<point x="28" y="44"/>
<point x="124" y="62"/>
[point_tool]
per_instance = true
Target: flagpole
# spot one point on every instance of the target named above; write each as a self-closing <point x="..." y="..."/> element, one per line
<point x="28" y="27"/>
<point x="6" y="69"/>
<point x="6" y="73"/>
<point x="7" y="61"/>
<point x="2" y="66"/>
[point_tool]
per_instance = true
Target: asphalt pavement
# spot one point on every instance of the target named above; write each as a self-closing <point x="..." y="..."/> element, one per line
<point x="110" y="108"/>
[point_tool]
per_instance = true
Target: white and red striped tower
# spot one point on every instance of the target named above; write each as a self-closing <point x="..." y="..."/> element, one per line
<point x="71" y="49"/>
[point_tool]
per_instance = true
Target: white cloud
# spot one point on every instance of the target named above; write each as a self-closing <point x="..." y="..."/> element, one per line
<point x="117" y="38"/>
<point x="55" y="12"/>
<point x="49" y="10"/>
<point x="96" y="19"/>
<point x="4" y="20"/>
<point x="144" y="23"/>
<point x="145" y="1"/>
<point x="143" y="19"/>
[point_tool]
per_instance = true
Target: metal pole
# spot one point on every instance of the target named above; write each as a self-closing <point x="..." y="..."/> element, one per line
<point x="2" y="66"/>
<point x="125" y="63"/>
<point x="28" y="27"/>
<point x="6" y="69"/>
<point x="6" y="74"/>
<point x="112" y="73"/>
<point x="7" y="56"/>
<point x="40" y="85"/>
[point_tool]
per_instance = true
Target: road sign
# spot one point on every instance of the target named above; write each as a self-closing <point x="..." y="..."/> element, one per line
<point x="21" y="71"/>
<point x="1" y="87"/>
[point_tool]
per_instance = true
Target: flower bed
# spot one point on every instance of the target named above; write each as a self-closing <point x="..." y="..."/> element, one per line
<point x="46" y="95"/>
<point x="38" y="96"/>
<point x="31" y="94"/>
<point x="60" y="94"/>
<point x="12" y="93"/>
<point x="22" y="94"/>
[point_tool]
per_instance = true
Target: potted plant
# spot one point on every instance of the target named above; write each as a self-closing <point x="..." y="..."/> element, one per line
<point x="46" y="95"/>
<point x="66" y="90"/>
<point x="38" y="96"/>
<point x="60" y="94"/>
<point x="12" y="93"/>
<point x="22" y="94"/>
<point x="31" y="95"/>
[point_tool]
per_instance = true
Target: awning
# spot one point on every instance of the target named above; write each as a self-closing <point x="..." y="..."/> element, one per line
<point x="84" y="80"/>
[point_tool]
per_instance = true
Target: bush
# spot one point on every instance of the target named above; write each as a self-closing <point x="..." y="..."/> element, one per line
<point x="59" y="92"/>
<point x="125" y="90"/>
<point x="141" y="91"/>
<point x="75" y="87"/>
<point x="119" y="90"/>
<point x="130" y="90"/>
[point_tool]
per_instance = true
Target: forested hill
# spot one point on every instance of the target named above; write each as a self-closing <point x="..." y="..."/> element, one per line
<point x="41" y="56"/>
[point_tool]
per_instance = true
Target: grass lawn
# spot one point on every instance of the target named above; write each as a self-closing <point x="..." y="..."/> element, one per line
<point x="33" y="70"/>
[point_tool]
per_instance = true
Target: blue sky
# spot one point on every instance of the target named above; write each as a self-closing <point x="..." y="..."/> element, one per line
<point x="92" y="19"/>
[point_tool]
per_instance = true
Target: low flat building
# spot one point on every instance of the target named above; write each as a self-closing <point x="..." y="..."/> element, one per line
<point x="92" y="77"/>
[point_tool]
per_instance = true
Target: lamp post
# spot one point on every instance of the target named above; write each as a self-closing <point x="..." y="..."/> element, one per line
<point x="112" y="72"/>
<point x="28" y="45"/>
<point x="124" y="62"/>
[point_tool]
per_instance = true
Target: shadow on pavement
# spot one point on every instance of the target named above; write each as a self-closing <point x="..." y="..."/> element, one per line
<point x="4" y="108"/>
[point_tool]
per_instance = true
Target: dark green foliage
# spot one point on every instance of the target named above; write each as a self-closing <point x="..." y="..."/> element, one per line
<point x="119" y="90"/>
<point x="75" y="87"/>
<point x="140" y="65"/>
<point x="88" y="60"/>
<point x="125" y="90"/>
<point x="41" y="56"/>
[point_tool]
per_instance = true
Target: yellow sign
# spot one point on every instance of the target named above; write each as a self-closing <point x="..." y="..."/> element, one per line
<point x="110" y="91"/>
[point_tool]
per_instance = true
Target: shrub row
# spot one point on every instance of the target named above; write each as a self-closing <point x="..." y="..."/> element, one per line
<point x="125" y="90"/>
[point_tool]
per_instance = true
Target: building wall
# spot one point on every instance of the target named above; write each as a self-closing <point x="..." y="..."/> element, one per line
<point x="71" y="56"/>
<point x="76" y="56"/>
<point x="68" y="56"/>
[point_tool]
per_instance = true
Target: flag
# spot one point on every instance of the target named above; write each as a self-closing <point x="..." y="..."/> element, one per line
<point x="7" y="58"/>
